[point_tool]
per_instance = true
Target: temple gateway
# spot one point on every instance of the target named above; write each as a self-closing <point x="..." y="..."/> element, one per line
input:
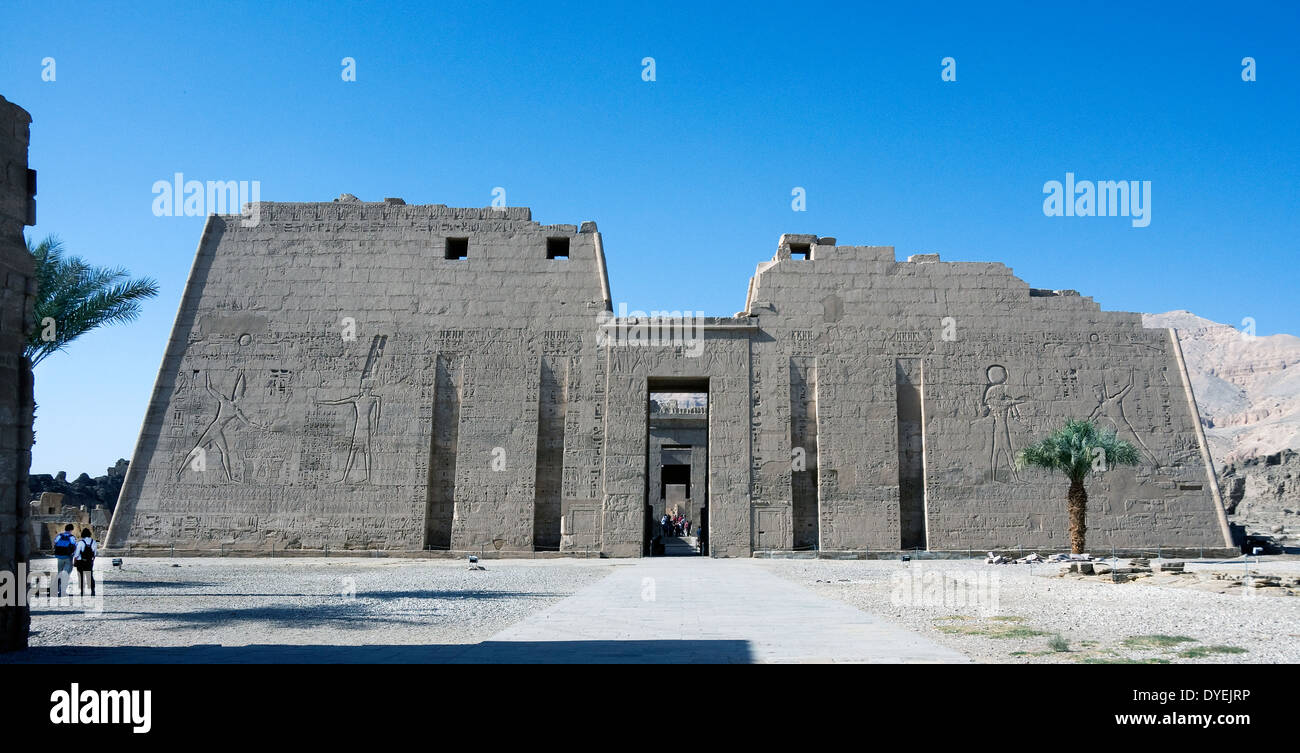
<point x="376" y="376"/>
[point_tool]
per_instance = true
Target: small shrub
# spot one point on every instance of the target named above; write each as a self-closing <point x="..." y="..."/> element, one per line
<point x="1200" y="652"/>
<point x="993" y="629"/>
<point x="1156" y="641"/>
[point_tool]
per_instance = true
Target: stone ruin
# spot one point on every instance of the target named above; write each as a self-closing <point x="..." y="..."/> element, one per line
<point x="49" y="514"/>
<point x="17" y="296"/>
<point x="359" y="375"/>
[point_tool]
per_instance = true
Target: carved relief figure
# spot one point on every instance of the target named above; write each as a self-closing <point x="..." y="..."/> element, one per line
<point x="215" y="435"/>
<point x="366" y="411"/>
<point x="1109" y="413"/>
<point x="1001" y="406"/>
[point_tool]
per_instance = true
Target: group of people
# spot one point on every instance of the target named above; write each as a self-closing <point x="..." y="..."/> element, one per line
<point x="675" y="525"/>
<point x="79" y="553"/>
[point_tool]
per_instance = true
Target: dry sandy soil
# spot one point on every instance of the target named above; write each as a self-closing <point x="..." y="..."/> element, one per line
<point x="1010" y="613"/>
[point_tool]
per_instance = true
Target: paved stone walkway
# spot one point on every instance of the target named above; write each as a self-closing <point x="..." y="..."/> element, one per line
<point x="680" y="546"/>
<point x="648" y="611"/>
<point x="710" y="610"/>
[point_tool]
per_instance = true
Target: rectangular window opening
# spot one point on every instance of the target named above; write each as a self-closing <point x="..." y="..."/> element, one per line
<point x="458" y="248"/>
<point x="801" y="251"/>
<point x="557" y="248"/>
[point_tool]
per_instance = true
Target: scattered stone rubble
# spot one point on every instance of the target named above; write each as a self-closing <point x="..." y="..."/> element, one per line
<point x="1287" y="585"/>
<point x="1120" y="570"/>
<point x="1086" y="564"/>
<point x="1034" y="558"/>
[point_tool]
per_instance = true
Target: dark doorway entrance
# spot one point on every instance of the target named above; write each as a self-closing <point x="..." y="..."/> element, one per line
<point x="677" y="453"/>
<point x="676" y="474"/>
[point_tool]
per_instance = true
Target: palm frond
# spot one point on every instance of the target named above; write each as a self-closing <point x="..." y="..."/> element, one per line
<point x="1074" y="449"/>
<point x="78" y="297"/>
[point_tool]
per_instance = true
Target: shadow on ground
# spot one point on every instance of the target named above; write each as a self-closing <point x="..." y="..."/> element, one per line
<point x="358" y="613"/>
<point x="347" y="616"/>
<point x="487" y="652"/>
<point x="151" y="585"/>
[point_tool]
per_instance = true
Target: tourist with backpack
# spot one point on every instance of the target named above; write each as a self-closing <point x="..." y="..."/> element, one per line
<point x="84" y="559"/>
<point x="65" y="548"/>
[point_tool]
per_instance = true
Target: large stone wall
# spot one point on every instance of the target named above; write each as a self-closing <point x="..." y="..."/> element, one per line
<point x="319" y="357"/>
<point x="722" y="366"/>
<point x="17" y="208"/>
<point x="334" y="381"/>
<point x="994" y="365"/>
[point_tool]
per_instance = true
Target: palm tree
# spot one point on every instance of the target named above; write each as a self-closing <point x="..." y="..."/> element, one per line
<point x="1078" y="449"/>
<point x="73" y="298"/>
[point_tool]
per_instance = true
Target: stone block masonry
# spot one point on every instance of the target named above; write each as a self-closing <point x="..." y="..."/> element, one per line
<point x="17" y="296"/>
<point x="376" y="376"/>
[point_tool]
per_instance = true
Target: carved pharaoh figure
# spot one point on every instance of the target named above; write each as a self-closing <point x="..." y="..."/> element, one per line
<point x="1110" y="413"/>
<point x="366" y="411"/>
<point x="998" y="404"/>
<point x="215" y="435"/>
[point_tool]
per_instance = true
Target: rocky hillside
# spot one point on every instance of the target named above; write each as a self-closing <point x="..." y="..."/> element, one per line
<point x="1248" y="392"/>
<point x="1247" y="389"/>
<point x="1263" y="494"/>
<point x="84" y="490"/>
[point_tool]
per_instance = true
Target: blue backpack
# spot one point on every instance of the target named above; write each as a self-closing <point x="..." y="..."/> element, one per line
<point x="65" y="545"/>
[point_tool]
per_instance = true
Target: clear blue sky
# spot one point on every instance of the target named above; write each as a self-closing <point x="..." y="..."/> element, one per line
<point x="689" y="176"/>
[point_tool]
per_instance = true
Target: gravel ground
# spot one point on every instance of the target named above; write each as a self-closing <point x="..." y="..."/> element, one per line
<point x="298" y="609"/>
<point x="316" y="601"/>
<point x="1008" y="613"/>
